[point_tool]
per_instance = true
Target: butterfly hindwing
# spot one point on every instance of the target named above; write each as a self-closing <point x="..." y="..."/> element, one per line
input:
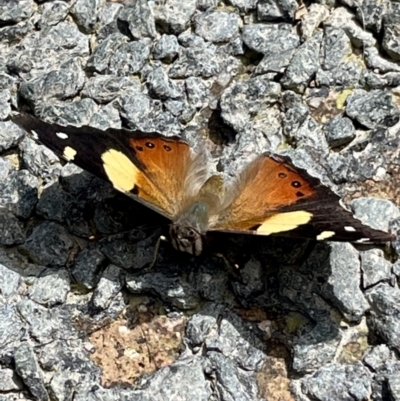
<point x="149" y="167"/>
<point x="275" y="197"/>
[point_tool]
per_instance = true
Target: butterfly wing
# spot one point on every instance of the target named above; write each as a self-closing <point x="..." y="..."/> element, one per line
<point x="159" y="171"/>
<point x="275" y="197"/>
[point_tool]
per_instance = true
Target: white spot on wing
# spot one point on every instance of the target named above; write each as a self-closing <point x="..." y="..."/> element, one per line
<point x="349" y="229"/>
<point x="325" y="235"/>
<point x="361" y="240"/>
<point x="62" y="135"/>
<point x="34" y="134"/>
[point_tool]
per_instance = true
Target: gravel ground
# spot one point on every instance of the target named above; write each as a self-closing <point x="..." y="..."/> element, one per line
<point x="94" y="307"/>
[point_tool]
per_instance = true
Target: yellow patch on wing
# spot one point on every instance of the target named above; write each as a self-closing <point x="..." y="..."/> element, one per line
<point x="284" y="222"/>
<point x="325" y="235"/>
<point x="122" y="173"/>
<point x="69" y="153"/>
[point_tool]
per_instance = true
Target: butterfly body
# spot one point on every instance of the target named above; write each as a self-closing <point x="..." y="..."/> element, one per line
<point x="188" y="229"/>
<point x="270" y="196"/>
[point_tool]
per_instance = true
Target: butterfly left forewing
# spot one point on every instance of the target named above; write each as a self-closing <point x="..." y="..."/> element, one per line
<point x="275" y="197"/>
<point x="148" y="167"/>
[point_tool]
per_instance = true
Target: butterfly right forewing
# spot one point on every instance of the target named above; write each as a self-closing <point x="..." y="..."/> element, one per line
<point x="275" y="197"/>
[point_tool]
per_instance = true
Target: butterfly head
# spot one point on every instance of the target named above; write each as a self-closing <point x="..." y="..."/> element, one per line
<point x="186" y="239"/>
<point x="188" y="229"/>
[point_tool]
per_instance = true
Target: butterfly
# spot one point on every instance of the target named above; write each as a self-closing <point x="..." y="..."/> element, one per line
<point x="270" y="196"/>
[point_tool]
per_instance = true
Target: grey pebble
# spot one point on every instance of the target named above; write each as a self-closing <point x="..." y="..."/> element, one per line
<point x="195" y="61"/>
<point x="9" y="381"/>
<point x="48" y="244"/>
<point x="12" y="331"/>
<point x="15" y="11"/>
<point x="161" y="87"/>
<point x="143" y="113"/>
<point x="391" y="29"/>
<point x="57" y="84"/>
<point x="10" y="135"/>
<point x="139" y="16"/>
<point x="394" y="387"/>
<point x="385" y="311"/>
<point x="129" y="58"/>
<point x="166" y="48"/>
<point x="50" y="288"/>
<point x="244" y="99"/>
<point x="376" y="357"/>
<point x="109" y="20"/>
<point x="63" y="41"/>
<point x="190" y="39"/>
<point x="244" y="6"/>
<point x="371" y="14"/>
<point x="339" y="382"/>
<point x="105" y="88"/>
<point x="18" y="192"/>
<point x="10" y="282"/>
<point x="303" y="65"/>
<point x="53" y="202"/>
<point x="217" y="26"/>
<point x="107" y="288"/>
<point x="372" y="109"/>
<point x="339" y="131"/>
<point x="271" y="10"/>
<point x="74" y="113"/>
<point x="375" y="268"/>
<point x="5" y="107"/>
<point x="252" y="280"/>
<point x="6" y="81"/>
<point x="220" y="330"/>
<point x="396" y="269"/>
<point x="376" y="61"/>
<point x="44" y="324"/>
<point x="175" y="15"/>
<point x="276" y="42"/>
<point x="198" y="91"/>
<point x="232" y="382"/>
<point x="86" y="13"/>
<point x="87" y="267"/>
<point x="100" y="58"/>
<point x="11" y="230"/>
<point x="343" y="19"/>
<point x="310" y="21"/>
<point x="315" y="350"/>
<point x="184" y="380"/>
<point x="28" y="369"/>
<point x="172" y="289"/>
<point x="377" y="81"/>
<point x="106" y="117"/>
<point x="203" y="5"/>
<point x="63" y="384"/>
<point x="375" y="212"/>
<point x="53" y="12"/>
